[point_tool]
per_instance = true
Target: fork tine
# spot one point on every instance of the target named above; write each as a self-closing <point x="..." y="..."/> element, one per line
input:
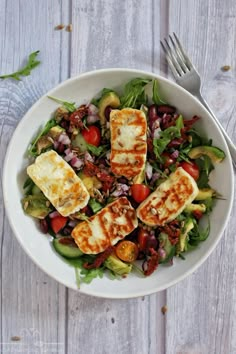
<point x="173" y="69"/>
<point x="179" y="56"/>
<point x="174" y="60"/>
<point x="187" y="60"/>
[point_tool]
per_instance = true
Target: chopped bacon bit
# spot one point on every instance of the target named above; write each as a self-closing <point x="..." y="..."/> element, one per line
<point x="150" y="147"/>
<point x="100" y="259"/>
<point x="168" y="121"/>
<point x="190" y="122"/>
<point x="173" y="231"/>
<point x="176" y="142"/>
<point x="164" y="108"/>
<point x="90" y="169"/>
<point x="152" y="262"/>
<point x="77" y="116"/>
<point x="197" y="214"/>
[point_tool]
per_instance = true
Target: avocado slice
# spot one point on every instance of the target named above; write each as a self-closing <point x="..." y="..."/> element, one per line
<point x="205" y="193"/>
<point x="117" y="266"/>
<point x="55" y="131"/>
<point x="108" y="99"/>
<point x="67" y="247"/>
<point x="188" y="226"/>
<point x="214" y="153"/>
<point x="47" y="140"/>
<point x="36" y="205"/>
<point x="195" y="207"/>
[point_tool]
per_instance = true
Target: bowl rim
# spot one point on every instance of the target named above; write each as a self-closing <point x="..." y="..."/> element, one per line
<point x="83" y="290"/>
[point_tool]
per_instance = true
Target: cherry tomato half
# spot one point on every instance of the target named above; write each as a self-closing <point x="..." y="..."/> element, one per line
<point x="139" y="192"/>
<point x="167" y="159"/>
<point x="191" y="168"/>
<point x="142" y="239"/>
<point x="58" y="222"/>
<point x="92" y="135"/>
<point x="127" y="251"/>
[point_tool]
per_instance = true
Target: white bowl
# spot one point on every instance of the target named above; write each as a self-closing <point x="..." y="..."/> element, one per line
<point x="81" y="89"/>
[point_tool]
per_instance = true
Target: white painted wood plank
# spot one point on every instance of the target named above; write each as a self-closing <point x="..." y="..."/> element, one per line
<point x="115" y="34"/>
<point x="32" y="304"/>
<point x="201" y="309"/>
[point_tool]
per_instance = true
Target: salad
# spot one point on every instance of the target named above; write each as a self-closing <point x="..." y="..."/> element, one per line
<point x="121" y="183"/>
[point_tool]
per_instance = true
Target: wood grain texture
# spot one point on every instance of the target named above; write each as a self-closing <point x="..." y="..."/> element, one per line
<point x="201" y="316"/>
<point x="47" y="316"/>
<point x="32" y="304"/>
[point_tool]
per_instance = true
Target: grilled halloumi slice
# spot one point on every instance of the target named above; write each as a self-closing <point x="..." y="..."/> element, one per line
<point x="106" y="228"/>
<point x="59" y="183"/>
<point x="128" y="142"/>
<point x="169" y="199"/>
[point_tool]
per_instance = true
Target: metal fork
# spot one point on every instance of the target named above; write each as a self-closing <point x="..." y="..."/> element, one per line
<point x="187" y="76"/>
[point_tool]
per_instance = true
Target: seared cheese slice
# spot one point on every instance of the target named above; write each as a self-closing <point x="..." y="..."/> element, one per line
<point x="169" y="199"/>
<point x="59" y="183"/>
<point x="106" y="228"/>
<point x="128" y="142"/>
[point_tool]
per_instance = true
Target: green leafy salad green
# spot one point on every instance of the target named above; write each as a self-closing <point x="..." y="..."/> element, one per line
<point x="130" y="238"/>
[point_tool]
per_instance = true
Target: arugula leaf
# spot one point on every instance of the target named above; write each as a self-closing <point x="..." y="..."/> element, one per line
<point x="205" y="167"/>
<point x="134" y="93"/>
<point x="97" y="151"/>
<point x="197" y="235"/>
<point x="26" y="70"/>
<point x="32" y="150"/>
<point x="87" y="275"/>
<point x="166" y="136"/>
<point x="84" y="275"/>
<point x="94" y="205"/>
<point x="28" y="183"/>
<point x="28" y="186"/>
<point x="156" y="94"/>
<point x="198" y="140"/>
<point x="70" y="106"/>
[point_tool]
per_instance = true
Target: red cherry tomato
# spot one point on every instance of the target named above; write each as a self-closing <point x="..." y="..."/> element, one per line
<point x="127" y="251"/>
<point x="92" y="135"/>
<point x="191" y="168"/>
<point x="142" y="239"/>
<point x="58" y="222"/>
<point x="139" y="192"/>
<point x="167" y="159"/>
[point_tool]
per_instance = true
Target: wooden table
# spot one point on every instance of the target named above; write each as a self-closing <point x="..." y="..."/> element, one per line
<point x="46" y="316"/>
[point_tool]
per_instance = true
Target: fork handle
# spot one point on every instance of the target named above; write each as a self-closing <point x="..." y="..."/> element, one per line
<point x="229" y="142"/>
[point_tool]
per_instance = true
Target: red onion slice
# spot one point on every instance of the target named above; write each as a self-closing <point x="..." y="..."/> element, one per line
<point x="92" y="109"/>
<point x="69" y="157"/>
<point x="88" y="157"/>
<point x="72" y="223"/>
<point x="76" y="162"/>
<point x="175" y="154"/>
<point x="54" y="214"/>
<point x="64" y="139"/>
<point x="92" y="119"/>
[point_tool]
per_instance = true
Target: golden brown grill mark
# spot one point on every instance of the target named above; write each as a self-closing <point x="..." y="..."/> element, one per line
<point x="125" y="161"/>
<point x="171" y="200"/>
<point x="106" y="233"/>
